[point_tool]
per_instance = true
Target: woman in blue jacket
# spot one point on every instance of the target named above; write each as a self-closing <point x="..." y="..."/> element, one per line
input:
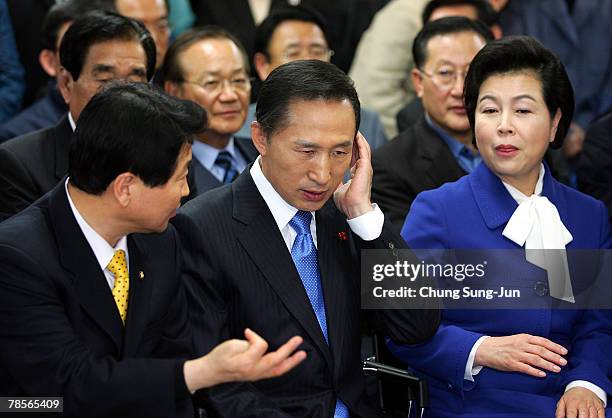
<point x="514" y="363"/>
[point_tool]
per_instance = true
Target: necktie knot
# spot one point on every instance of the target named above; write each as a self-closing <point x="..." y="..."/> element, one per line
<point x="301" y="222"/>
<point x="117" y="265"/>
<point x="224" y="160"/>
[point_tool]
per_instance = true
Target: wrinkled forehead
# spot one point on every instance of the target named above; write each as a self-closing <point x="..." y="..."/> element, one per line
<point x="458" y="48"/>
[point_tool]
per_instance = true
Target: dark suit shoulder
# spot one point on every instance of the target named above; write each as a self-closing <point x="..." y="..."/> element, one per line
<point x="30" y="232"/>
<point x="246" y="147"/>
<point x="25" y="145"/>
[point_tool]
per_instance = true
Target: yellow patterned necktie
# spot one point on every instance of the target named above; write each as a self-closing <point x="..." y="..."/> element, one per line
<point x="118" y="267"/>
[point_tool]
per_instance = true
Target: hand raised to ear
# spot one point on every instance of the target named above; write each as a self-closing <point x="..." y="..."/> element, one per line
<point x="353" y="197"/>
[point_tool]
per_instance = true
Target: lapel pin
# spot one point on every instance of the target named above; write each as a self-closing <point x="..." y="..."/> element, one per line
<point x="141" y="275"/>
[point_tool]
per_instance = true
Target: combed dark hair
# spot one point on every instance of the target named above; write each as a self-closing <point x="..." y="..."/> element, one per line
<point x="131" y="127"/>
<point x="484" y="11"/>
<point x="516" y="54"/>
<point x="445" y="26"/>
<point x="171" y="69"/>
<point x="101" y="26"/>
<point x="65" y="12"/>
<point x="302" y="13"/>
<point x="307" y="80"/>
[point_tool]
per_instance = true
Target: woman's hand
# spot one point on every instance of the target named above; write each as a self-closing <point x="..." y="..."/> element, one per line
<point x="522" y="353"/>
<point x="580" y="402"/>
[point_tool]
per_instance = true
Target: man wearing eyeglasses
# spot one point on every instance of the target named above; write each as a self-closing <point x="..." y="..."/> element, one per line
<point x="299" y="32"/>
<point x="209" y="66"/>
<point x="438" y="148"/>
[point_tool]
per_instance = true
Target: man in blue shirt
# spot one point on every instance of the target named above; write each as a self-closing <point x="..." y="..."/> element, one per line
<point x="209" y="66"/>
<point x="438" y="148"/>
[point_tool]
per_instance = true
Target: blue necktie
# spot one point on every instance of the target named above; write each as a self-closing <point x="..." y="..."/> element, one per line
<point x="304" y="254"/>
<point x="224" y="160"/>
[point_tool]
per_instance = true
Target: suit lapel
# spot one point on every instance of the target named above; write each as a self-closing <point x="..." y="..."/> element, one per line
<point x="62" y="135"/>
<point x="559" y="15"/>
<point x="204" y="180"/>
<point x="331" y="254"/>
<point x="263" y="242"/>
<point x="495" y="203"/>
<point x="141" y="283"/>
<point x="443" y="167"/>
<point x="77" y="257"/>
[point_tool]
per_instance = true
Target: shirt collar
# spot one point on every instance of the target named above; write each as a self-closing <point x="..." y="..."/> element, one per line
<point x="71" y="120"/>
<point x="282" y="211"/>
<point x="101" y="248"/>
<point x="207" y="155"/>
<point x="454" y="145"/>
<point x="519" y="196"/>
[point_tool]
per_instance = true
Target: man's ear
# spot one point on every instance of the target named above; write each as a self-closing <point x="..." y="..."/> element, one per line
<point x="173" y="88"/>
<point x="48" y="61"/>
<point x="65" y="83"/>
<point x="497" y="31"/>
<point x="417" y="82"/>
<point x="259" y="138"/>
<point x="262" y="65"/>
<point x="124" y="188"/>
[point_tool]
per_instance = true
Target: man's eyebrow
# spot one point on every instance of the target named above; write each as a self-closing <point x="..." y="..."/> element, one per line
<point x="309" y="144"/>
<point x="102" y="68"/>
<point x="306" y="143"/>
<point x="139" y="71"/>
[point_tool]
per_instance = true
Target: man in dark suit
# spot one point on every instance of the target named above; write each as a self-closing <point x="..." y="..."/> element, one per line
<point x="273" y="251"/>
<point x="98" y="48"/>
<point x="92" y="305"/>
<point x="594" y="170"/>
<point x="348" y="19"/>
<point x="209" y="66"/>
<point x="438" y="148"/>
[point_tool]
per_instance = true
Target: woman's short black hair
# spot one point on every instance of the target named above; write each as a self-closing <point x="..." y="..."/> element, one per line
<point x="522" y="53"/>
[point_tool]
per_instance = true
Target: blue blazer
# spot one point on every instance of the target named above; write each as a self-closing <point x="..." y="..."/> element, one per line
<point x="471" y="213"/>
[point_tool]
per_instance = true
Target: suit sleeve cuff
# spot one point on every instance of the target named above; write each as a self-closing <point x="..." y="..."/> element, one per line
<point x="368" y="226"/>
<point x="470" y="370"/>
<point x="180" y="387"/>
<point x="601" y="394"/>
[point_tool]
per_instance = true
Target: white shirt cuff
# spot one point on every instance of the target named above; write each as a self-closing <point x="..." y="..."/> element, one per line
<point x="470" y="370"/>
<point x="601" y="394"/>
<point x="368" y="226"/>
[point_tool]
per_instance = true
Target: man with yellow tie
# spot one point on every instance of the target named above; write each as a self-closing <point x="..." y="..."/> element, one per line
<point x="92" y="308"/>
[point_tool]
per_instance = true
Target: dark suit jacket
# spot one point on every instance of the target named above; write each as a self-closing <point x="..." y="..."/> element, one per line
<point x="416" y="160"/>
<point x="42" y="114"/>
<point x="31" y="165"/>
<point x="594" y="170"/>
<point x="203" y="180"/>
<point x="60" y="330"/>
<point x="409" y="114"/>
<point x="346" y="21"/>
<point x="240" y="274"/>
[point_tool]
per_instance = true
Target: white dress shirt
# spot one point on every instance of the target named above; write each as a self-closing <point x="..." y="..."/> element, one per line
<point x="101" y="248"/>
<point x="367" y="226"/>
